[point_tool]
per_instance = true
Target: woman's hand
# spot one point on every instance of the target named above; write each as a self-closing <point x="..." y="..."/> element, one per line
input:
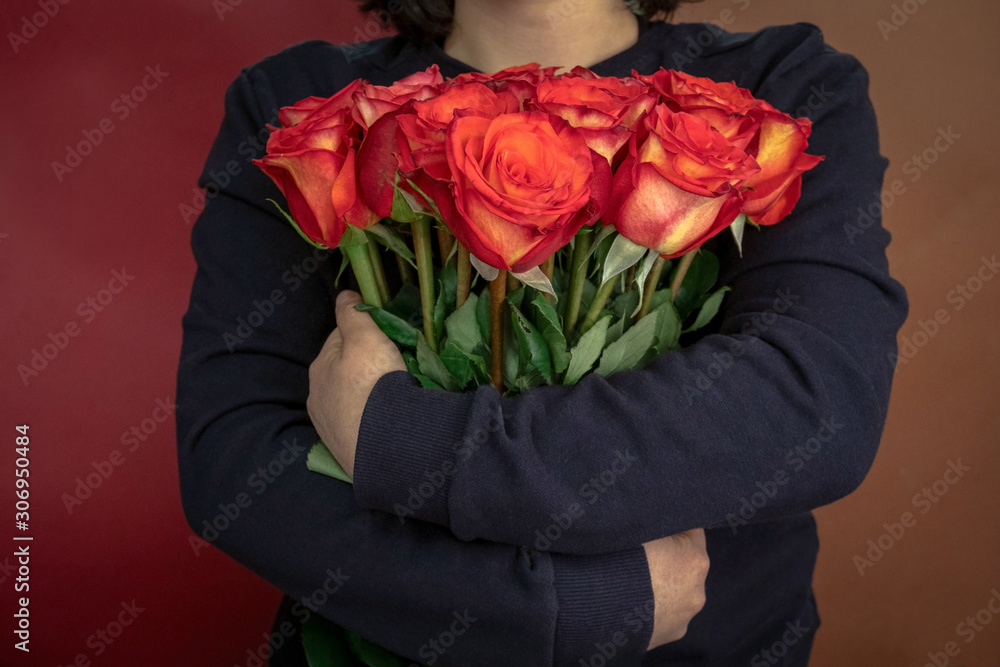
<point x="342" y="377"/>
<point x="678" y="566"/>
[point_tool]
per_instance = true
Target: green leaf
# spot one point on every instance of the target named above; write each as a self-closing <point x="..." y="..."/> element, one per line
<point x="445" y="303"/>
<point x="483" y="315"/>
<point x="533" y="350"/>
<point x="537" y="279"/>
<point x="326" y="644"/>
<point x="392" y="326"/>
<point x="406" y="305"/>
<point x="458" y="363"/>
<point x="587" y="351"/>
<point x="295" y="225"/>
<point x="393" y="241"/>
<point x="402" y="210"/>
<point x="708" y="309"/>
<point x="669" y="332"/>
<point x="322" y="461"/>
<point x="461" y="326"/>
<point x="625" y="304"/>
<point x="617" y="329"/>
<point x="623" y="255"/>
<point x="547" y="322"/>
<point x="628" y="350"/>
<point x="372" y="654"/>
<point x="431" y="366"/>
<point x="516" y="297"/>
<point x="640" y="278"/>
<point x="698" y="282"/>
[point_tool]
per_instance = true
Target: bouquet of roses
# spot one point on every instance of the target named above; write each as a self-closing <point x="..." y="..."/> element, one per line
<point x="581" y="200"/>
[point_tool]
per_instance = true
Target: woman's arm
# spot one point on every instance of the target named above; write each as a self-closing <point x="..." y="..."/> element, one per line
<point x="779" y="412"/>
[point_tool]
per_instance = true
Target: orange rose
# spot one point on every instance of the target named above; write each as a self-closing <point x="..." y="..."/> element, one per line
<point x="680" y="184"/>
<point x="524" y="184"/>
<point x="313" y="164"/>
<point x="605" y="109"/>
<point x="373" y="102"/>
<point x="775" y="140"/>
<point x="412" y="140"/>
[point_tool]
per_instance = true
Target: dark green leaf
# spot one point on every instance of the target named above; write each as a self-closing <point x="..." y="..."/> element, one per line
<point x="326" y="644"/>
<point x="406" y="305"/>
<point x="547" y="322"/>
<point x="394" y="327"/>
<point x="516" y="297"/>
<point x="698" y="282"/>
<point x="670" y="327"/>
<point x="587" y="351"/>
<point x="458" y="363"/>
<point x="532" y="348"/>
<point x="402" y="211"/>
<point x="617" y="329"/>
<point x="708" y="309"/>
<point x="483" y="315"/>
<point x="433" y="368"/>
<point x="628" y="350"/>
<point x="462" y="328"/>
<point x="372" y="654"/>
<point x="446" y="294"/>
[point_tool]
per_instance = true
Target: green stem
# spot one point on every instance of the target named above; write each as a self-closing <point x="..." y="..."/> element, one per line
<point x="548" y="268"/>
<point x="578" y="269"/>
<point x="600" y="298"/>
<point x="405" y="270"/>
<point x="445" y="242"/>
<point x="378" y="269"/>
<point x="649" y="289"/>
<point x="464" y="275"/>
<point x="425" y="274"/>
<point x="682" y="269"/>
<point x="357" y="255"/>
<point x="498" y="292"/>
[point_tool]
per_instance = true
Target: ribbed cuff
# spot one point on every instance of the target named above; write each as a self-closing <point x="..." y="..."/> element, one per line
<point x="406" y="456"/>
<point x="605" y="608"/>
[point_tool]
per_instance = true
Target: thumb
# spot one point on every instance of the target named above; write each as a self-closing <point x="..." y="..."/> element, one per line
<point x="351" y="322"/>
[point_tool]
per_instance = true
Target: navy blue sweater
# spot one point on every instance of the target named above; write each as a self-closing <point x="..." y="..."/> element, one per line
<point x="527" y="514"/>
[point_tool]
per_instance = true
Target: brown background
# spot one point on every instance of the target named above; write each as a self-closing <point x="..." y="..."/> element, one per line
<point x="60" y="239"/>
<point x="939" y="70"/>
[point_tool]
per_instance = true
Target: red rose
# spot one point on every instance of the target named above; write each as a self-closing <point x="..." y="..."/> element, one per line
<point x="373" y="102"/>
<point x="605" y="109"/>
<point x="520" y="81"/>
<point x="680" y="184"/>
<point x="775" y="140"/>
<point x="412" y="139"/>
<point x="313" y="164"/>
<point x="524" y="184"/>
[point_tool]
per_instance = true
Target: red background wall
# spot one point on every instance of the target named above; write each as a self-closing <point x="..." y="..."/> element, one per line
<point x="62" y="237"/>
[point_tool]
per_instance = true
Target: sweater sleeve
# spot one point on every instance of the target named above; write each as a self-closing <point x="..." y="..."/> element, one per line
<point x="777" y="411"/>
<point x="259" y="313"/>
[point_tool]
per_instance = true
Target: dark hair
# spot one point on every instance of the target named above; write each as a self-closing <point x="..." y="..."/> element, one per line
<point x="427" y="20"/>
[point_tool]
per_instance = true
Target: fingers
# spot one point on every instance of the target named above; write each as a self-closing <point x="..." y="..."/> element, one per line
<point x="351" y="322"/>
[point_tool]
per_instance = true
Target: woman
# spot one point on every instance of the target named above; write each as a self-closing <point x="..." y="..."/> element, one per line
<point x="775" y="411"/>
